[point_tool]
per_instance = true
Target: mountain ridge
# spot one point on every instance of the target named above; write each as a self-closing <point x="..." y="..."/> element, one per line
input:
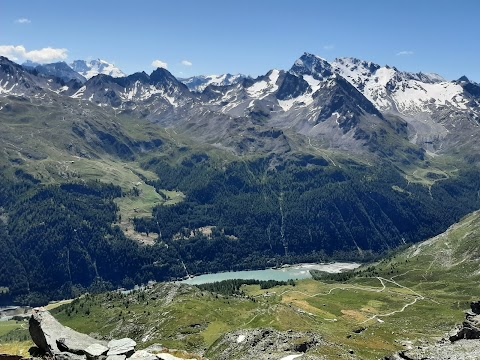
<point x="432" y="108"/>
<point x="198" y="83"/>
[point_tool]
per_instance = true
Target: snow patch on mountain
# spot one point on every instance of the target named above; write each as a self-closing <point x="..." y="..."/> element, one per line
<point x="61" y="89"/>
<point x="4" y="87"/>
<point x="141" y="92"/>
<point x="201" y="82"/>
<point x="263" y="88"/>
<point x="79" y="93"/>
<point x="302" y="100"/>
<point x="420" y="96"/>
<point x="392" y="90"/>
<point x="314" y="83"/>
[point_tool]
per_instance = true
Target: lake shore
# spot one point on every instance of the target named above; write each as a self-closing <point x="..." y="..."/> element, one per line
<point x="285" y="273"/>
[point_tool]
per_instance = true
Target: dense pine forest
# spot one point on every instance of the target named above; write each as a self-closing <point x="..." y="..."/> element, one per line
<point x="61" y="240"/>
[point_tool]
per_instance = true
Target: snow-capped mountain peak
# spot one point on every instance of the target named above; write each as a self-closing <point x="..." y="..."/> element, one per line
<point x="357" y="71"/>
<point x="96" y="67"/>
<point x="309" y="64"/>
<point x="393" y="90"/>
<point x="200" y="82"/>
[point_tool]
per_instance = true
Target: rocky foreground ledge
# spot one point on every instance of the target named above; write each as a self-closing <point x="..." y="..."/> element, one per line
<point x="462" y="344"/>
<point x="63" y="343"/>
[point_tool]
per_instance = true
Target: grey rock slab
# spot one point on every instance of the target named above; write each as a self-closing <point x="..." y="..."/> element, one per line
<point x="155" y="348"/>
<point x="53" y="338"/>
<point x="143" y="355"/>
<point x="265" y="344"/>
<point x="116" y="357"/>
<point x="166" y="356"/>
<point x="125" y="346"/>
<point x="69" y="356"/>
<point x="459" y="350"/>
<point x="95" y="350"/>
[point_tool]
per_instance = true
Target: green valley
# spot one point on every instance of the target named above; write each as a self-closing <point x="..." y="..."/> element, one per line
<point x="411" y="298"/>
<point x="119" y="200"/>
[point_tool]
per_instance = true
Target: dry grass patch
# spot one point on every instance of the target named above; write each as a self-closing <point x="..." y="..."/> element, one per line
<point x="17" y="348"/>
<point x="355" y="315"/>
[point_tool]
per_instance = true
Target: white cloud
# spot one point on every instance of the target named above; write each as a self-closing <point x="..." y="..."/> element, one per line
<point x="23" y="21"/>
<point x="405" y="53"/>
<point x="328" y="47"/>
<point x="159" y="64"/>
<point x="12" y="52"/>
<point x="42" y="56"/>
<point x="47" y="55"/>
<point x="187" y="63"/>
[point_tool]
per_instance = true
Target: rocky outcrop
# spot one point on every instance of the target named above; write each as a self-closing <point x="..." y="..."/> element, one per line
<point x="116" y="357"/>
<point x="63" y="343"/>
<point x="143" y="355"/>
<point x="264" y="344"/>
<point x="471" y="326"/>
<point x="54" y="338"/>
<point x="123" y="346"/>
<point x="463" y="344"/>
<point x="68" y="356"/>
<point x="459" y="350"/>
<point x="96" y="350"/>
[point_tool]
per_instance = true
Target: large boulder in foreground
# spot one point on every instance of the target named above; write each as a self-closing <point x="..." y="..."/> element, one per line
<point x="123" y="346"/>
<point x="63" y="343"/>
<point x="471" y="326"/>
<point x="54" y="338"/>
<point x="464" y="342"/>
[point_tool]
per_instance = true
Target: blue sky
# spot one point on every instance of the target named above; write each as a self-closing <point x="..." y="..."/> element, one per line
<point x="249" y="37"/>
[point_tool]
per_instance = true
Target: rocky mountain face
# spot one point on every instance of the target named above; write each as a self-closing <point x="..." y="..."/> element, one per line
<point x="434" y="108"/>
<point x="148" y="93"/>
<point x="311" y="101"/>
<point x="27" y="82"/>
<point x="79" y="70"/>
<point x="60" y="70"/>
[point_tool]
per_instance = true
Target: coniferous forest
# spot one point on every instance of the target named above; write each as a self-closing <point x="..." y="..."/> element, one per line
<point x="61" y="240"/>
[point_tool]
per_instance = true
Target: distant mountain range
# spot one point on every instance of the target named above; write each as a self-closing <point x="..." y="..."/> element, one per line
<point x="200" y="82"/>
<point x="342" y="104"/>
<point x="80" y="70"/>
